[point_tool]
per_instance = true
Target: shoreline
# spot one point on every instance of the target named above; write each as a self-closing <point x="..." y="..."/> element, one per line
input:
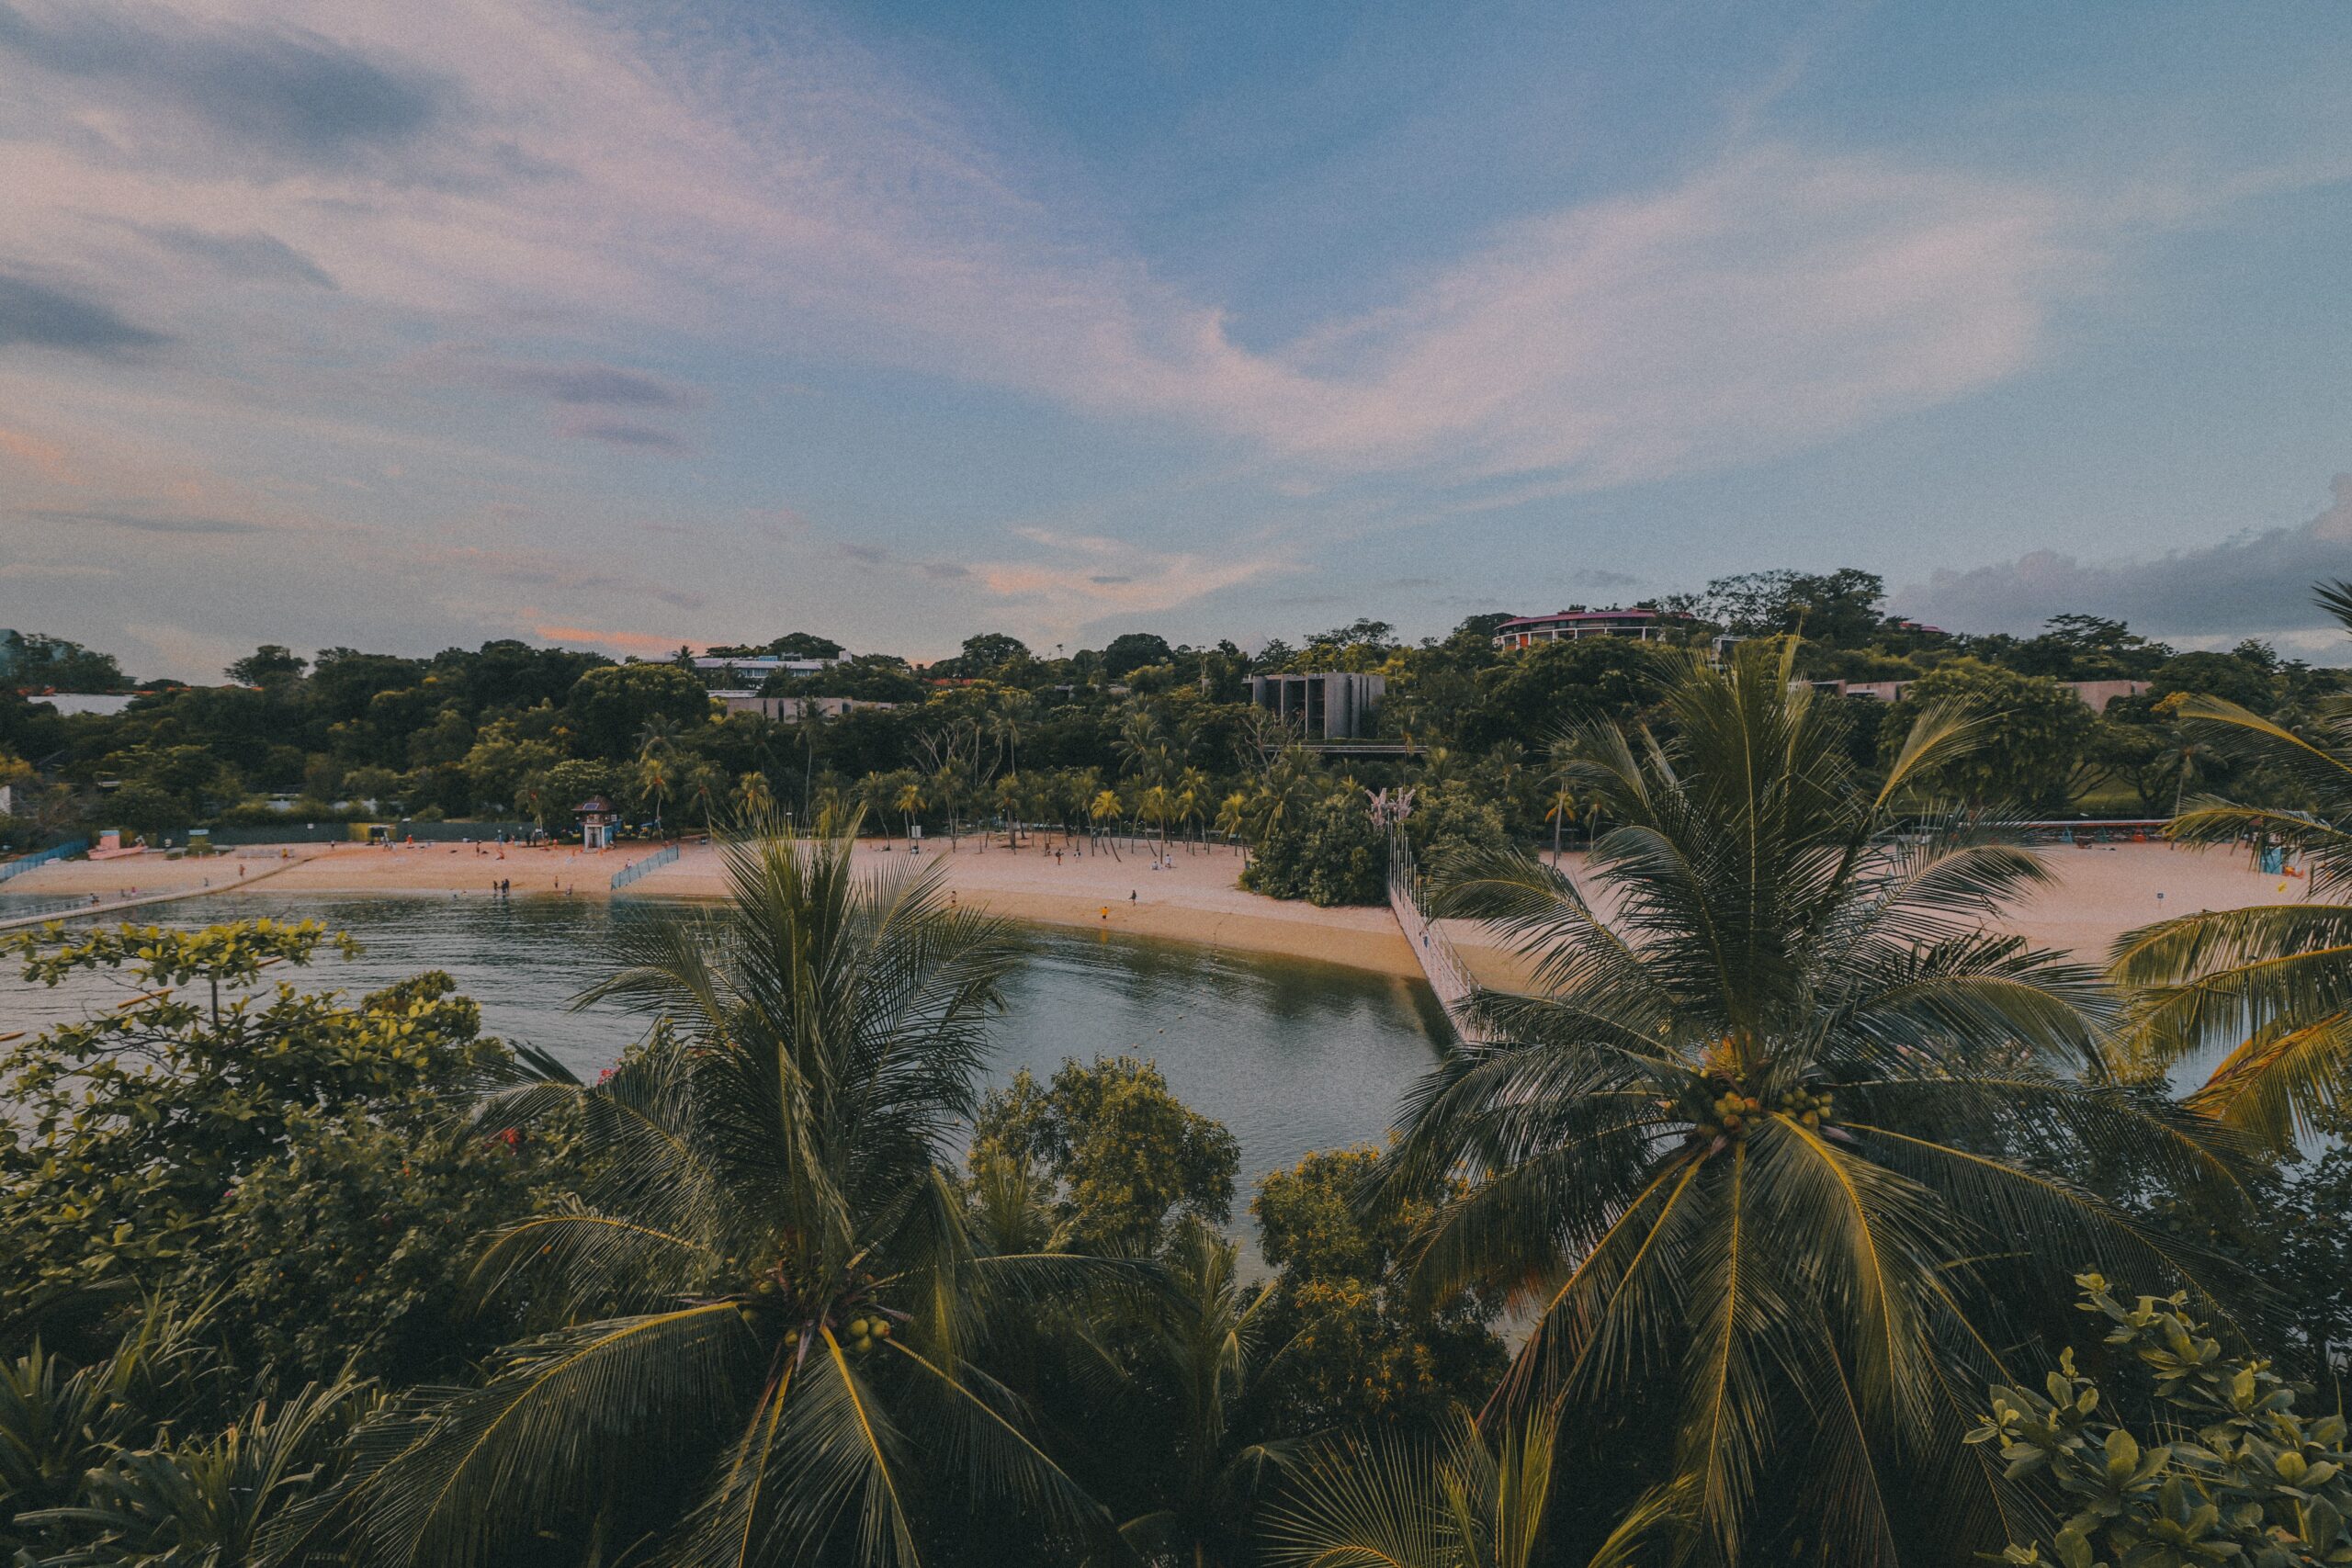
<point x="2095" y="895"/>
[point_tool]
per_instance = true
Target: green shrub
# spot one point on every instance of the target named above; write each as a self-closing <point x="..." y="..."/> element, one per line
<point x="1331" y="854"/>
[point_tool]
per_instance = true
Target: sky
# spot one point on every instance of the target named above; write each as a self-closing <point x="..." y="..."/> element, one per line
<point x="628" y="326"/>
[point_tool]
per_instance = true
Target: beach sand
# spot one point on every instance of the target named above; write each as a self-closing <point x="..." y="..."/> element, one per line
<point x="2100" y="893"/>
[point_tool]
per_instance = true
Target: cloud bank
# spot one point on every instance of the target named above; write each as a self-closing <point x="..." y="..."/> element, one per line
<point x="2250" y="584"/>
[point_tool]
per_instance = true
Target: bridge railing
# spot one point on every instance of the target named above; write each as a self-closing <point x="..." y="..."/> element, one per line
<point x="637" y="868"/>
<point x="1448" y="975"/>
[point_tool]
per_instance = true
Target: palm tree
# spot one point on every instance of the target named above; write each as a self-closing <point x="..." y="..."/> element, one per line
<point x="1199" y="1370"/>
<point x="1459" y="1503"/>
<point x="2276" y="978"/>
<point x="874" y="794"/>
<point x="705" y="788"/>
<point x="1143" y="746"/>
<point x="1105" y="808"/>
<point x="1006" y="719"/>
<point x="768" y="1299"/>
<point x="656" y="778"/>
<point x="1233" y="819"/>
<point x="1192" y="789"/>
<point x="1156" y="806"/>
<point x="1766" y="1144"/>
<point x="909" y="801"/>
<point x="252" y="1494"/>
<point x="1010" y="793"/>
<point x="947" y="791"/>
<point x="1078" y="788"/>
<point x="754" y="801"/>
<point x="531" y="795"/>
<point x="658" y="736"/>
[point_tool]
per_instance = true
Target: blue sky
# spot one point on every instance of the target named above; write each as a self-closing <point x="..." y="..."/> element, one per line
<point x="626" y="325"/>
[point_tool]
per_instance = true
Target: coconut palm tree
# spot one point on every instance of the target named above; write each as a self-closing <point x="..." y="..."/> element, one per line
<point x="1156" y="805"/>
<point x="1104" y="809"/>
<point x="753" y="800"/>
<point x="704" y="790"/>
<point x="531" y="795"/>
<point x="1233" y="819"/>
<point x="658" y="736"/>
<point x="1763" y="1144"/>
<point x="909" y="801"/>
<point x="2275" y="977"/>
<point x="1456" y="1503"/>
<point x="1196" y="1375"/>
<point x="1193" y="797"/>
<point x="657" y="776"/>
<point x="767" y="1301"/>
<point x="1011" y="791"/>
<point x="1294" y="782"/>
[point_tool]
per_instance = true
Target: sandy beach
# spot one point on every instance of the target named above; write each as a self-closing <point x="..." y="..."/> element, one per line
<point x="2099" y="892"/>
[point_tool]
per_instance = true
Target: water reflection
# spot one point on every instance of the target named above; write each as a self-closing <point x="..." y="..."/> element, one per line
<point x="1291" y="1055"/>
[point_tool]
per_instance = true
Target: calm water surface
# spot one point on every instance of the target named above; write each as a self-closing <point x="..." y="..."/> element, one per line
<point x="1291" y="1055"/>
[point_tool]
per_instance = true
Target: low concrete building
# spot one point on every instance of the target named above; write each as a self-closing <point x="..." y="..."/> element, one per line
<point x="1330" y="705"/>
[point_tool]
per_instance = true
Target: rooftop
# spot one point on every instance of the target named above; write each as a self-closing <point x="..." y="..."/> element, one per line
<point x="1639" y="613"/>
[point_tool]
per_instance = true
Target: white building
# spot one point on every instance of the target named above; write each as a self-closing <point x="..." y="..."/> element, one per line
<point x="726" y="676"/>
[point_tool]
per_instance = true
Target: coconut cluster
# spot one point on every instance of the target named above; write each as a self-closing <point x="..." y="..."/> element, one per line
<point x="1810" y="1106"/>
<point x="1729" y="1114"/>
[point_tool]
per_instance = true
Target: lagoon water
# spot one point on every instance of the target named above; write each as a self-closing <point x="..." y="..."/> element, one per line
<point x="1291" y="1055"/>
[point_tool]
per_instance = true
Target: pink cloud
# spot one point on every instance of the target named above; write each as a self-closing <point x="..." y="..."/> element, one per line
<point x="625" y="642"/>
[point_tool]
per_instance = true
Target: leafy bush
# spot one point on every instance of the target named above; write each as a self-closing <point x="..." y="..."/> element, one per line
<point x="1330" y="855"/>
<point x="291" y="1152"/>
<point x="1361" y="1348"/>
<point x="1450" y="819"/>
<point x="1122" y="1154"/>
<point x="2232" y="1475"/>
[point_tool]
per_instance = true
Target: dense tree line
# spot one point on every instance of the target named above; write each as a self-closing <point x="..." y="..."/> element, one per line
<point x="1137" y="740"/>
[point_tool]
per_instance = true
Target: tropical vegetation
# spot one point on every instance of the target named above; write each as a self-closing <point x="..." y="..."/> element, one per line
<point x="1749" y="1231"/>
<point x="1772" y="1149"/>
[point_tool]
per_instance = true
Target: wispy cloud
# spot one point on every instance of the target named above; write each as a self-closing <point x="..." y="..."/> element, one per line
<point x="624" y="434"/>
<point x="600" y="384"/>
<point x="576" y="382"/>
<point x="273" y="89"/>
<point x="34" y="315"/>
<point x="141" y="522"/>
<point x="250" y="254"/>
<point x="52" y="572"/>
<point x="544" y="569"/>
<point x="1083" y="578"/>
<point x="791" y="191"/>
